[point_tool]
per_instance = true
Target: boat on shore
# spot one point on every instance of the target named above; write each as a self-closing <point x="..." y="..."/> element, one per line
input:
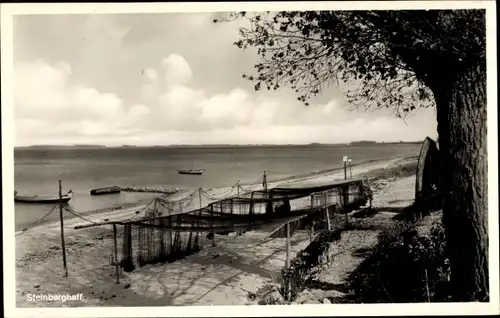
<point x="191" y="171"/>
<point x="43" y="198"/>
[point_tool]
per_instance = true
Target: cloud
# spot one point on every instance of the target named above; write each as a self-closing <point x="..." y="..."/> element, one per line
<point x="48" y="104"/>
<point x="53" y="107"/>
<point x="177" y="70"/>
<point x="151" y="74"/>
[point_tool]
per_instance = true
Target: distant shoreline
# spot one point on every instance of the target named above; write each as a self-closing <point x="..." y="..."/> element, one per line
<point x="353" y="143"/>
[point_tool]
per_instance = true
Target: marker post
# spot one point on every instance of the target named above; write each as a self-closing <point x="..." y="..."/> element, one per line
<point x="344" y="160"/>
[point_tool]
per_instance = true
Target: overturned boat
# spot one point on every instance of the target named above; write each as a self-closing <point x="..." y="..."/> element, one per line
<point x="65" y="198"/>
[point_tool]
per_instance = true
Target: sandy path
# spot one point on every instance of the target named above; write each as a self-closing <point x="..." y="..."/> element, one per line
<point x="216" y="275"/>
<point x="348" y="253"/>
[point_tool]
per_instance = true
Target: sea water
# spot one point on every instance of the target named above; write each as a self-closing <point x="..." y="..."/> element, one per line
<point x="37" y="171"/>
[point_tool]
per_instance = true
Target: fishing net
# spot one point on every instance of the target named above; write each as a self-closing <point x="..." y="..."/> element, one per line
<point x="167" y="232"/>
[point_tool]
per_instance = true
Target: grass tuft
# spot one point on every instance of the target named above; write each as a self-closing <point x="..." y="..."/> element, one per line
<point x="404" y="266"/>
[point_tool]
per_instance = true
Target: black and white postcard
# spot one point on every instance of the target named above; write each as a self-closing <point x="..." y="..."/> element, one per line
<point x="249" y="159"/>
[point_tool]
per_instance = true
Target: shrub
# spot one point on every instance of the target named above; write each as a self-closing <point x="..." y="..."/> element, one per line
<point x="404" y="267"/>
<point x="401" y="170"/>
<point x="293" y="279"/>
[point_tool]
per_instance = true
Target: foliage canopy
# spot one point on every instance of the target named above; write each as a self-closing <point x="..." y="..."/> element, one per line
<point x="390" y="59"/>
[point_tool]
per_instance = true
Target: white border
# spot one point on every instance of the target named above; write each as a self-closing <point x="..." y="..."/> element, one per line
<point x="8" y="10"/>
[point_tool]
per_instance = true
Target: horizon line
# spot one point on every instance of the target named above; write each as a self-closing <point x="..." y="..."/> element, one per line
<point x="218" y="144"/>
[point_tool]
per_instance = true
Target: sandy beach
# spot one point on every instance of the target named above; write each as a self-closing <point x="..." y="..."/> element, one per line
<point x="221" y="275"/>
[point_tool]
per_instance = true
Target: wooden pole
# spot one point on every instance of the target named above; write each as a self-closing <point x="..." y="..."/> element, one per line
<point x="324" y="203"/>
<point x="369" y="190"/>
<point x="250" y="211"/>
<point x="199" y="196"/>
<point x="311" y="229"/>
<point x="212" y="223"/>
<point x="62" y="230"/>
<point x="345" y="203"/>
<point x="117" y="263"/>
<point x="170" y="238"/>
<point x="345" y="170"/>
<point x="328" y="219"/>
<point x="264" y="181"/>
<point x="287" y="245"/>
<point x="239" y="231"/>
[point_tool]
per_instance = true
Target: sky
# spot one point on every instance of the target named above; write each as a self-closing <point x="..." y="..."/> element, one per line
<point x="166" y="79"/>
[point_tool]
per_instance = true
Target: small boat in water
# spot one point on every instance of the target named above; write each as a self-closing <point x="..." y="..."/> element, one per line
<point x="106" y="190"/>
<point x="43" y="198"/>
<point x="191" y="171"/>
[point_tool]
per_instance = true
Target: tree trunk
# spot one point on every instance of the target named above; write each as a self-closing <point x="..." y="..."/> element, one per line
<point x="461" y="115"/>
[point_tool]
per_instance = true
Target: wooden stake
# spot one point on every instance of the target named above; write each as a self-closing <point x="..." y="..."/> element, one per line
<point x="287" y="245"/>
<point x="345" y="203"/>
<point x="264" y="181"/>
<point x="117" y="263"/>
<point x="250" y="211"/>
<point x="170" y="239"/>
<point x="328" y="219"/>
<point x="311" y="231"/>
<point x="239" y="231"/>
<point x="212" y="224"/>
<point x="427" y="286"/>
<point x="62" y="230"/>
<point x="199" y="195"/>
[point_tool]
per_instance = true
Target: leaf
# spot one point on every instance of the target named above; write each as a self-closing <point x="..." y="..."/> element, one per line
<point x="377" y="50"/>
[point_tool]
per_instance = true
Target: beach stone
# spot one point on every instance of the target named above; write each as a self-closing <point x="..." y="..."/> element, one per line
<point x="326" y="301"/>
<point x="127" y="285"/>
<point x="36" y="286"/>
